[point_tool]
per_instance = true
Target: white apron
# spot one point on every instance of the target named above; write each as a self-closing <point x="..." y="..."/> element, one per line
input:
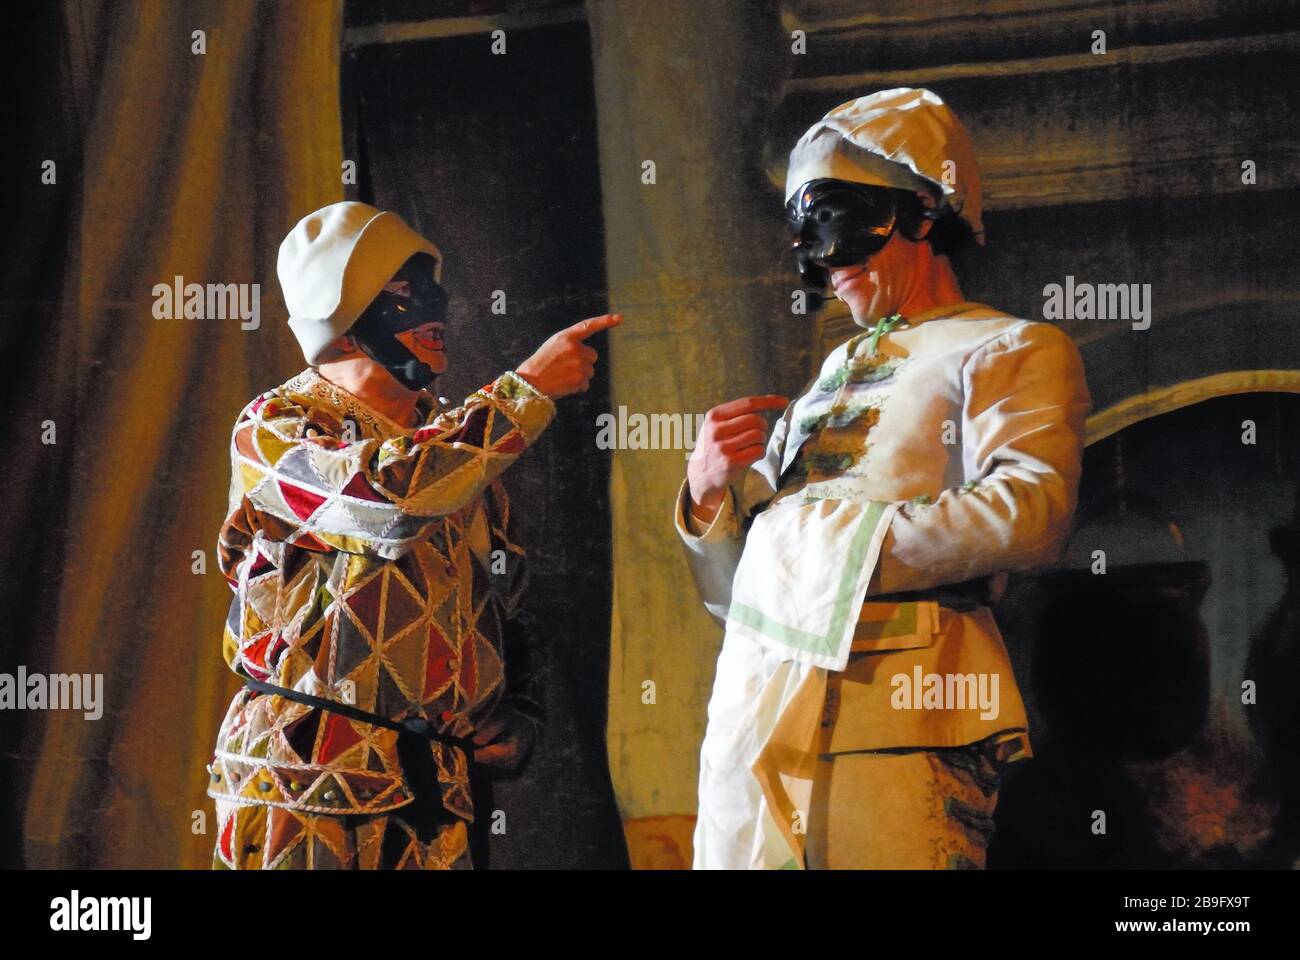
<point x="795" y="606"/>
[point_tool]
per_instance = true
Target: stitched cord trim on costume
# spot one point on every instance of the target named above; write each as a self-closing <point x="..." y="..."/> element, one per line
<point x="242" y="801"/>
<point x="312" y="384"/>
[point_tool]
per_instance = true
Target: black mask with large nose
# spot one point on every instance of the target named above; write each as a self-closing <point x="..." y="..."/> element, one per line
<point x="838" y="224"/>
<point x="389" y="314"/>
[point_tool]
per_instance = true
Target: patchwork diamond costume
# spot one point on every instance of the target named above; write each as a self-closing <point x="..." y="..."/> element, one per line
<point x="372" y="566"/>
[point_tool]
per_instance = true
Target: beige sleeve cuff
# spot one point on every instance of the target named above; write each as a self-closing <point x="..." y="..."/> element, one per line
<point x="725" y="525"/>
<point x="531" y="409"/>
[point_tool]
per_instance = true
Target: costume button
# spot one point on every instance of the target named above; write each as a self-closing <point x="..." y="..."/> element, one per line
<point x="329" y="796"/>
<point x="453" y="664"/>
<point x="451" y="569"/>
<point x="265" y="786"/>
<point x="448" y="716"/>
<point x="295" y="785"/>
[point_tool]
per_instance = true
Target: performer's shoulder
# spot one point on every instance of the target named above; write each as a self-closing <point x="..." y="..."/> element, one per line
<point x="286" y="399"/>
<point x="990" y="328"/>
<point x="1023" y="333"/>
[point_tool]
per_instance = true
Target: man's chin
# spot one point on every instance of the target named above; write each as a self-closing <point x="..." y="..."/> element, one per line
<point x="436" y="365"/>
<point x="861" y="308"/>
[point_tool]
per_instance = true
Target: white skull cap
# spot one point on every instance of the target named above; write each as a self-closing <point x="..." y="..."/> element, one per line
<point x="902" y="138"/>
<point x="335" y="262"/>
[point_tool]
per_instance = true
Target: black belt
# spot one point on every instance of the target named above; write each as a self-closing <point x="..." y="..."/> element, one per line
<point x="421" y="773"/>
<point x="416" y="725"/>
<point x="963" y="596"/>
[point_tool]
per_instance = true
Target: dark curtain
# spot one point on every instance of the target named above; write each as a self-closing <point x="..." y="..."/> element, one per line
<point x="493" y="157"/>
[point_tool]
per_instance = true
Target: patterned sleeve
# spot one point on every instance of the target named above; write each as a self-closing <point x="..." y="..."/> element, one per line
<point x="509" y="578"/>
<point x="371" y="497"/>
<point x="524" y="689"/>
<point x="1026" y="400"/>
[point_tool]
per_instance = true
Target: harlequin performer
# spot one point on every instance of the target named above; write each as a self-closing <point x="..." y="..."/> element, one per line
<point x="864" y="706"/>
<point x="376" y="613"/>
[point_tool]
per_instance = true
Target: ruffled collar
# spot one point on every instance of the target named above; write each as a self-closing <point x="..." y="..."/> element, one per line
<point x="312" y="384"/>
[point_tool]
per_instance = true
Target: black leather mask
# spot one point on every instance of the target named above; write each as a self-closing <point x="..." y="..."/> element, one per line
<point x="839" y="224"/>
<point x="390" y="314"/>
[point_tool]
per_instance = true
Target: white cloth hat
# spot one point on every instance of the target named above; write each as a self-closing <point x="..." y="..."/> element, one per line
<point x="904" y="137"/>
<point x="335" y="262"/>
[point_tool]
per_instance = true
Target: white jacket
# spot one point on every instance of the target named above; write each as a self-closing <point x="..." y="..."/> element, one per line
<point x="973" y="442"/>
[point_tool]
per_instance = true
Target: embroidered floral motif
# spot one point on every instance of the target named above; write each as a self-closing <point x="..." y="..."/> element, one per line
<point x="860" y="370"/>
<point x="839" y="416"/>
<point x="918" y="505"/>
<point x="829" y="463"/>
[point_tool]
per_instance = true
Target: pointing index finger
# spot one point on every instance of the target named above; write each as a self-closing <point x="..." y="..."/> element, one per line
<point x="593" y="325"/>
<point x="745" y="405"/>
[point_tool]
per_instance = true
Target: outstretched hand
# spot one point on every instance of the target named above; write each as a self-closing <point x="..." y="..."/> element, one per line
<point x="564" y="365"/>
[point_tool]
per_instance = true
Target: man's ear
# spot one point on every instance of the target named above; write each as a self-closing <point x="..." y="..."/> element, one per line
<point x="342" y="347"/>
<point x="929" y="202"/>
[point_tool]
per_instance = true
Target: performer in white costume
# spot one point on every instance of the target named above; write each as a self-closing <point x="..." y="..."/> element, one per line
<point x="864" y="705"/>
